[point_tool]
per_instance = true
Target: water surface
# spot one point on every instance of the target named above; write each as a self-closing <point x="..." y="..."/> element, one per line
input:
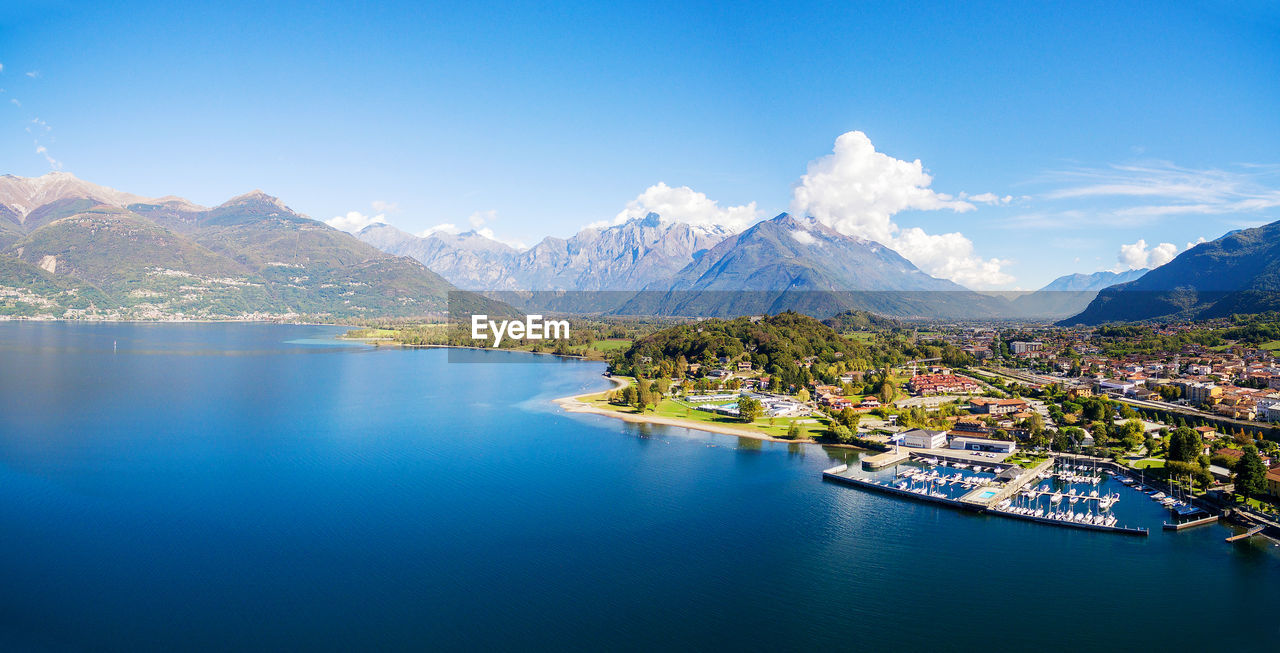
<point x="262" y="487"/>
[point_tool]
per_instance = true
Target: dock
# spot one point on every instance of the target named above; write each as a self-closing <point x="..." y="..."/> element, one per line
<point x="1246" y="535"/>
<point x="1177" y="526"/>
<point x="886" y="459"/>
<point x="840" y="474"/>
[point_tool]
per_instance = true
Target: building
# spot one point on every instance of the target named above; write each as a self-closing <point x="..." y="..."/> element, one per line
<point x="971" y="443"/>
<point x="941" y="384"/>
<point x="924" y="439"/>
<point x="1118" y="387"/>
<point x="988" y="406"/>
<point x="1273" y="482"/>
<point x="1201" y="393"/>
<point x="1020" y="347"/>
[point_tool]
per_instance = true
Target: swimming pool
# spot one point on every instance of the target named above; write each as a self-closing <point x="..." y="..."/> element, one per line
<point x="987" y="494"/>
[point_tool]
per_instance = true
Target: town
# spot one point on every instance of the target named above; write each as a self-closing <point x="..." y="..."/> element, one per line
<point x="1189" y="411"/>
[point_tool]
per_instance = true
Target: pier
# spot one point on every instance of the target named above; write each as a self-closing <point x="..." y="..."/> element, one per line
<point x="886" y="459"/>
<point x="1177" y="526"/>
<point x="1246" y="535"/>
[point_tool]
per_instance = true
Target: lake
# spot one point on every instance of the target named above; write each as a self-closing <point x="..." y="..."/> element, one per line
<point x="233" y="486"/>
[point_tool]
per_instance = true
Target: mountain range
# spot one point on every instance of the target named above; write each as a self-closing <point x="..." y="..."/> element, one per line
<point x="625" y="256"/>
<point x="1237" y="273"/>
<point x="70" y="248"/>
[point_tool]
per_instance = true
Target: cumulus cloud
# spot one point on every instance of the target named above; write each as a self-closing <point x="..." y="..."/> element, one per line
<point x="1136" y="256"/>
<point x="683" y="204"/>
<point x="488" y="233"/>
<point x="481" y="217"/>
<point x="354" y="221"/>
<point x="444" y="227"/>
<point x="475" y="220"/>
<point x="857" y="191"/>
<point x="988" y="198"/>
<point x="803" y="237"/>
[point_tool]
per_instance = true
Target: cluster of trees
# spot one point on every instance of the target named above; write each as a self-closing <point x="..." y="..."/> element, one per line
<point x="642" y="395"/>
<point x="794" y="350"/>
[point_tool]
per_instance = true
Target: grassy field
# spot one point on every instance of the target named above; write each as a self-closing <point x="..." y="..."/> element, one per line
<point x="1272" y="345"/>
<point x="810" y="427"/>
<point x="613" y="344"/>
<point x="1026" y="462"/>
<point x="1148" y="463"/>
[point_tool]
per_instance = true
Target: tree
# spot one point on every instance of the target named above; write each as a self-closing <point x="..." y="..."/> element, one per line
<point x="802" y="396"/>
<point x="793" y="431"/>
<point x="628" y="395"/>
<point x="841" y="433"/>
<point x="1251" y="474"/>
<point x="643" y="397"/>
<point x="849" y="418"/>
<point x="749" y="408"/>
<point x="1184" y="445"/>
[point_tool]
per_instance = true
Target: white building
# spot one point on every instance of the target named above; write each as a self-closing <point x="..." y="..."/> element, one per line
<point x="924" y="439"/>
<point x="968" y="443"/>
<point x="1020" y="347"/>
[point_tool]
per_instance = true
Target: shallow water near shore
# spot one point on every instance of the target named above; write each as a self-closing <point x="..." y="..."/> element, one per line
<point x="240" y="486"/>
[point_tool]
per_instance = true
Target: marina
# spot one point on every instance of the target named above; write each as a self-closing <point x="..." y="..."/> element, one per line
<point x="1054" y="492"/>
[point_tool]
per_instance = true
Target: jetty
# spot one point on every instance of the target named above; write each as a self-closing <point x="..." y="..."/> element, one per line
<point x="1177" y="526"/>
<point x="1247" y="534"/>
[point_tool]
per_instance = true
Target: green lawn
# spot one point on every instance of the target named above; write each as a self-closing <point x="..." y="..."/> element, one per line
<point x="612" y="344"/>
<point x="1026" y="461"/>
<point x="1148" y="463"/>
<point x="672" y="408"/>
<point x="1272" y="345"/>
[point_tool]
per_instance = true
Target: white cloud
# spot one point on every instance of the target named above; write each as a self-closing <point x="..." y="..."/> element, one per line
<point x="488" y="233"/>
<point x="1136" y="256"/>
<point x="1157" y="189"/>
<point x="15" y="102"/>
<point x="481" y="217"/>
<point x="857" y="191"/>
<point x="803" y="237"/>
<point x="354" y="221"/>
<point x="444" y="227"/>
<point x="1197" y="241"/>
<point x="683" y="204"/>
<point x="33" y="74"/>
<point x="382" y="206"/>
<point x="988" y="198"/>
<point x="54" y="164"/>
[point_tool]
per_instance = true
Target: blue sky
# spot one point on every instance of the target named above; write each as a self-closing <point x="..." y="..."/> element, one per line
<point x="1103" y="124"/>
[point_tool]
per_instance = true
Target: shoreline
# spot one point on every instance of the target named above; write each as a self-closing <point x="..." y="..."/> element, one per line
<point x="575" y="404"/>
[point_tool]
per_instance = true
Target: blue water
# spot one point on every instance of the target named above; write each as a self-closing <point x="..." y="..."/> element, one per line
<point x="227" y="487"/>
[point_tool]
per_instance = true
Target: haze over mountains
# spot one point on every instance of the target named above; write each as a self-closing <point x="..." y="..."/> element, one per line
<point x="70" y="248"/>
